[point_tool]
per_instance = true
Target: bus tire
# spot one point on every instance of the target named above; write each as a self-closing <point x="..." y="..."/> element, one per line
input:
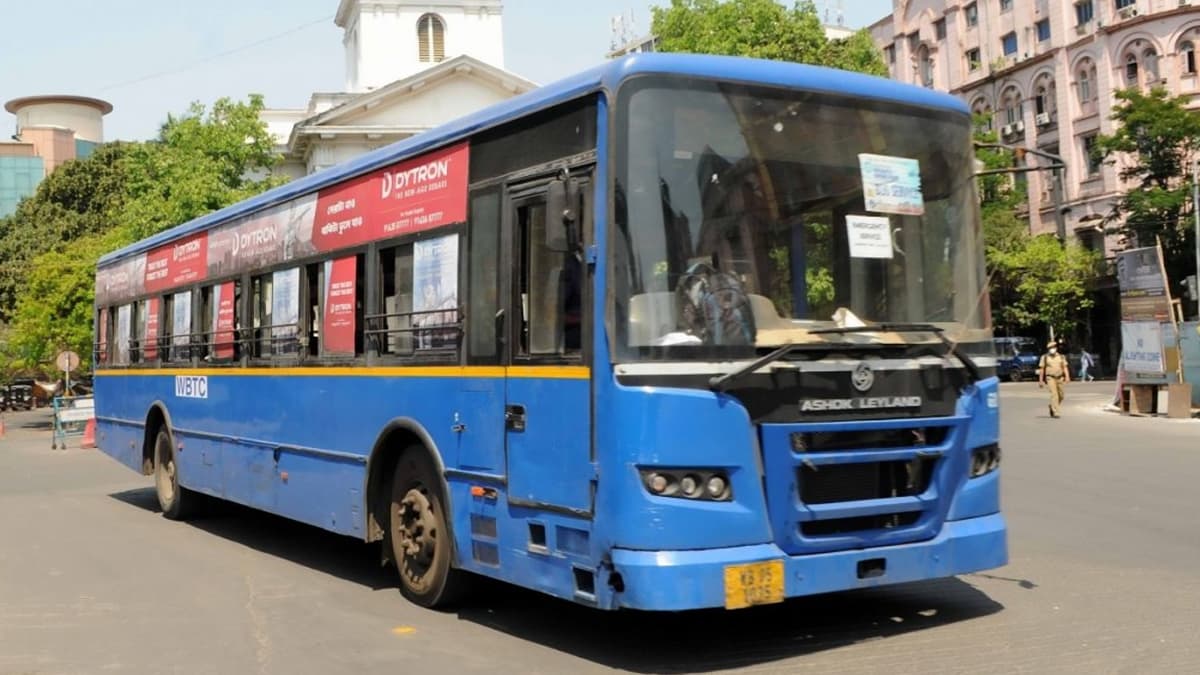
<point x="419" y="533"/>
<point x="176" y="501"/>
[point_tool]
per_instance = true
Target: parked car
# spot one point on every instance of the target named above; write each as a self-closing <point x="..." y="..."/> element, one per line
<point x="1017" y="358"/>
<point x="19" y="396"/>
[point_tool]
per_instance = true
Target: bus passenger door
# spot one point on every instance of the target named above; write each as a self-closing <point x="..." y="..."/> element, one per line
<point x="547" y="407"/>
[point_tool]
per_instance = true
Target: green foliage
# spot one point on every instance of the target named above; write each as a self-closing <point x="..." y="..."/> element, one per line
<point x="201" y="161"/>
<point x="80" y="198"/>
<point x="1159" y="134"/>
<point x="1034" y="280"/>
<point x="762" y="29"/>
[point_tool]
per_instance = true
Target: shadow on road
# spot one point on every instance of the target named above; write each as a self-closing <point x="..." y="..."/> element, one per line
<point x="635" y="641"/>
<point x="312" y="547"/>
<point x="717" y="639"/>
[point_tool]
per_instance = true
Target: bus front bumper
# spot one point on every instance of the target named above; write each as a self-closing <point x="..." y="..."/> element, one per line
<point x="682" y="580"/>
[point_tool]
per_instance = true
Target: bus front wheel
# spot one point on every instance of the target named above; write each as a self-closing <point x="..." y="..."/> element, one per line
<point x="419" y="533"/>
<point x="175" y="500"/>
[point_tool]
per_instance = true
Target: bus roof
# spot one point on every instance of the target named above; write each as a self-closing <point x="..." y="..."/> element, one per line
<point x="604" y="77"/>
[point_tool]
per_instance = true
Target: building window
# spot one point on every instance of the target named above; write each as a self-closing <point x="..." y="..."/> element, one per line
<point x="1131" y="69"/>
<point x="1083" y="12"/>
<point x="1043" y="30"/>
<point x="1009" y="43"/>
<point x="1090" y="158"/>
<point x="1122" y="4"/>
<point x="1150" y="64"/>
<point x="971" y="12"/>
<point x="914" y="41"/>
<point x="973" y="61"/>
<point x="890" y="52"/>
<point x="1187" y="57"/>
<point x="431" y="39"/>
<point x="1005" y="5"/>
<point x="1085" y="83"/>
<point x="926" y="65"/>
<point x="939" y="29"/>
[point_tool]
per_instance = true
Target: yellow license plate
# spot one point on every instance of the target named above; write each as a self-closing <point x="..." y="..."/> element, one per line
<point x="758" y="583"/>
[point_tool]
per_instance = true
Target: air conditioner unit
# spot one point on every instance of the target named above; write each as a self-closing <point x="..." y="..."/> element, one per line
<point x="1081" y="29"/>
<point x="1018" y="127"/>
<point x="1127" y="12"/>
<point x="1043" y="119"/>
<point x="1006" y="130"/>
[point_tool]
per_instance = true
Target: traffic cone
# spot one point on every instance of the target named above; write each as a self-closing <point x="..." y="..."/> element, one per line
<point x="89" y="434"/>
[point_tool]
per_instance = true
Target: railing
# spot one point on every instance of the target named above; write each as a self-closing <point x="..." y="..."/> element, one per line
<point x="436" y="335"/>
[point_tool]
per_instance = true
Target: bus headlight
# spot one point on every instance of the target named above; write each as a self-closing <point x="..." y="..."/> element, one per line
<point x="985" y="460"/>
<point x="701" y="484"/>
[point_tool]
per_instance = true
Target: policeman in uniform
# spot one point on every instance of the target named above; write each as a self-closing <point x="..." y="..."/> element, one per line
<point x="1054" y="370"/>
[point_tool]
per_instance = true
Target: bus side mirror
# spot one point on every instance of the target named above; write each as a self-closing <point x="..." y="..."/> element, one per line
<point x="562" y="202"/>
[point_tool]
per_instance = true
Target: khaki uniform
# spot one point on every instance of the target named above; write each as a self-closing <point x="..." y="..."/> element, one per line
<point x="1053" y="369"/>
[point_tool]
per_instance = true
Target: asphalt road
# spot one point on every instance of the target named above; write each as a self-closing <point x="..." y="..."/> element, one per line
<point x="1104" y="578"/>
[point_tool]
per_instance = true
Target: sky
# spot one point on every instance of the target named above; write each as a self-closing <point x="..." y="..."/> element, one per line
<point x="151" y="58"/>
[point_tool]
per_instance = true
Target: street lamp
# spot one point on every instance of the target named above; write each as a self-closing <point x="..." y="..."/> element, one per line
<point x="1056" y="168"/>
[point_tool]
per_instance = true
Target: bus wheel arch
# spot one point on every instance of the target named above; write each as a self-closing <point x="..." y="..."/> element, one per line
<point x="157" y="418"/>
<point x="398" y="436"/>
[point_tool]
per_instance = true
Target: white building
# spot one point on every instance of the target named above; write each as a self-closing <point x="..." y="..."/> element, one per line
<point x="410" y="66"/>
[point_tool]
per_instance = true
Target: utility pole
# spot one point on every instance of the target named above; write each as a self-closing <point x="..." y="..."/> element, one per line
<point x="1196" y="218"/>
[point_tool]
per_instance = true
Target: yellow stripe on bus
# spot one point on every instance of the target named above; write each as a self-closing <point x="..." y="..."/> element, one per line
<point x="525" y="372"/>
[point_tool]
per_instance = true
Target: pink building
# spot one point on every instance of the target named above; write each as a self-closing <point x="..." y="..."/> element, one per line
<point x="1045" y="71"/>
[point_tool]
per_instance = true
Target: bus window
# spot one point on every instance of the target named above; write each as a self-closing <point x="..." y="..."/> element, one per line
<point x="392" y="334"/>
<point x="207" y="322"/>
<point x="219" y="320"/>
<point x="181" y="326"/>
<point x="121" y="336"/>
<point x="483" y="301"/>
<point x="261" y="289"/>
<point x="550" y="288"/>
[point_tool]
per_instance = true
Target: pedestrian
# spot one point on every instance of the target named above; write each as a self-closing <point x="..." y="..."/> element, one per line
<point x="1085" y="362"/>
<point x="1054" y="369"/>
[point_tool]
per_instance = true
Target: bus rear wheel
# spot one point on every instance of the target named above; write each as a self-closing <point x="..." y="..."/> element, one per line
<point x="176" y="501"/>
<point x="420" y="534"/>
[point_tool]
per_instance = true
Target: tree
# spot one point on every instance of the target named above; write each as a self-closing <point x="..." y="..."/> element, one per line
<point x="1034" y="280"/>
<point x="1156" y="137"/>
<point x="201" y="161"/>
<point x="80" y="198"/>
<point x="761" y="29"/>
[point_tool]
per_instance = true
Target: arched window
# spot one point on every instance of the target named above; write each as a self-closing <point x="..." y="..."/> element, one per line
<point x="431" y="39"/>
<point x="1043" y="99"/>
<point x="1187" y="57"/>
<point x="1150" y="64"/>
<point x="1131" y="70"/>
<point x="1084" y="80"/>
<point x="1013" y="107"/>
<point x="981" y="111"/>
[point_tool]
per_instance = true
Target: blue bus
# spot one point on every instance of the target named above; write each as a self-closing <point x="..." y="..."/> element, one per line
<point x="678" y="332"/>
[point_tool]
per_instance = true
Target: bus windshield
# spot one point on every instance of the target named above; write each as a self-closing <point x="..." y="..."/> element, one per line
<point x="747" y="216"/>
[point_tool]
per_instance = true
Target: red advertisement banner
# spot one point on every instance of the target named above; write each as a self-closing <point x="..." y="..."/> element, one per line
<point x="223" y="320"/>
<point x="177" y="264"/>
<point x="420" y="194"/>
<point x="337" y="329"/>
<point x="150" y="344"/>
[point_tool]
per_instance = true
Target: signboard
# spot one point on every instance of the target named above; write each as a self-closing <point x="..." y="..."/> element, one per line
<point x="1141" y="347"/>
<point x="338" y="322"/>
<point x="416" y="195"/>
<point x="891" y="184"/>
<point x="150" y="339"/>
<point x="1143" y="285"/>
<point x="222" y="320"/>
<point x="285" y="309"/>
<point x="67" y="361"/>
<point x="435" y="286"/>
<point x="869" y="236"/>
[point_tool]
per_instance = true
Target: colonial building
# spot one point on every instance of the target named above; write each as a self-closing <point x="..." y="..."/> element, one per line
<point x="1045" y="72"/>
<point x="410" y="66"/>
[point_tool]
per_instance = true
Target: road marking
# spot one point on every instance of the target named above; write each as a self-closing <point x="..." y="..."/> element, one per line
<point x="403" y="630"/>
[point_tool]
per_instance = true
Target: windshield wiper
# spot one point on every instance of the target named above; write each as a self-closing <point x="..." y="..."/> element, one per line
<point x="952" y="347"/>
<point x="721" y="382"/>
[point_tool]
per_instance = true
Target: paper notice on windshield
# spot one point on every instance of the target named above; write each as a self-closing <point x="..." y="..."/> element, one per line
<point x="869" y="236"/>
<point x="892" y="184"/>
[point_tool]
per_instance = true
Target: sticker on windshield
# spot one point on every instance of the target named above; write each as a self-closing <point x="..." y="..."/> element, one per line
<point x="891" y="184"/>
<point x="869" y="236"/>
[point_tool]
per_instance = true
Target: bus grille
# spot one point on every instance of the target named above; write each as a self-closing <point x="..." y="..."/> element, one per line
<point x="871" y="480"/>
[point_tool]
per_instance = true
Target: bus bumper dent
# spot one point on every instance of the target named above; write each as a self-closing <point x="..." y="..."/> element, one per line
<point x="682" y="580"/>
